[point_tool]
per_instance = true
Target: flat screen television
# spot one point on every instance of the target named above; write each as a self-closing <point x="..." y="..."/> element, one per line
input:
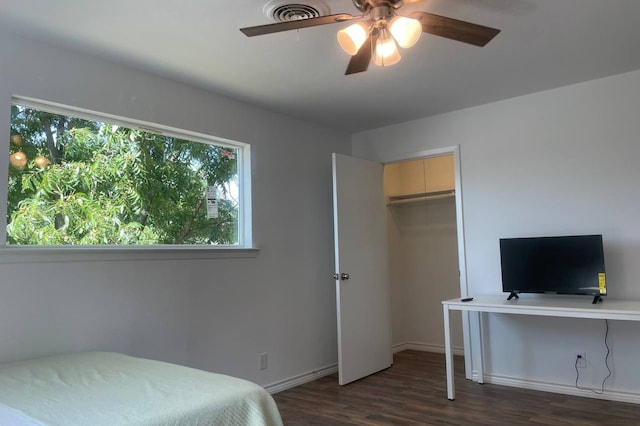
<point x="557" y="265"/>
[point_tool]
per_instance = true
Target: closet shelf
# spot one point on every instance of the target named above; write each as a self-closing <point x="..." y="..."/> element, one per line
<point x="415" y="198"/>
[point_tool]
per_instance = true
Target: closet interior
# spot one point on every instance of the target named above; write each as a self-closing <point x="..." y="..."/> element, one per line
<point x="423" y="251"/>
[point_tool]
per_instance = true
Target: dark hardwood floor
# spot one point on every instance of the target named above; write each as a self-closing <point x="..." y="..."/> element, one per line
<point x="413" y="392"/>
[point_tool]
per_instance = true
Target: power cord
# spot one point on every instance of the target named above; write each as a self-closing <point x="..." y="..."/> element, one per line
<point x="606" y="363"/>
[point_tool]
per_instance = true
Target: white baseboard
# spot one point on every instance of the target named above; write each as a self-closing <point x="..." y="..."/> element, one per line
<point x="563" y="389"/>
<point x="424" y="347"/>
<point x="301" y="379"/>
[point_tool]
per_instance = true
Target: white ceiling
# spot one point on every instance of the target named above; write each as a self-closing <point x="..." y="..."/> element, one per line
<point x="543" y="44"/>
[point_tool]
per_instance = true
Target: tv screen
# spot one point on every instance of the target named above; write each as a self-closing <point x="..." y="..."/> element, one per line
<point x="561" y="265"/>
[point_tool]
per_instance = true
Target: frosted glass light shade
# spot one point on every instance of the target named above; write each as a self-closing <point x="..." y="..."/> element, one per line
<point x="386" y="52"/>
<point x="352" y="38"/>
<point x="406" y="31"/>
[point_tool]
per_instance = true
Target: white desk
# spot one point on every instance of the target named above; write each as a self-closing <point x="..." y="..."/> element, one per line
<point x="548" y="306"/>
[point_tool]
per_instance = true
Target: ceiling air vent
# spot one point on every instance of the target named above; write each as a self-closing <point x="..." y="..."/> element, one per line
<point x="284" y="11"/>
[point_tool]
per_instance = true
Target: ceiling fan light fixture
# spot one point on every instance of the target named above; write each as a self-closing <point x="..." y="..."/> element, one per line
<point x="386" y="52"/>
<point x="405" y="30"/>
<point x="380" y="27"/>
<point x="352" y="38"/>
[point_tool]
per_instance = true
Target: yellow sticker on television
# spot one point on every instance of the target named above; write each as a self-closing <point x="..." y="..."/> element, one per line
<point x="602" y="283"/>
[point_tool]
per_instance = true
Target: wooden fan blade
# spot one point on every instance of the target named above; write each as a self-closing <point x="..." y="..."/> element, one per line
<point x="360" y="61"/>
<point x="294" y="25"/>
<point x="454" y="29"/>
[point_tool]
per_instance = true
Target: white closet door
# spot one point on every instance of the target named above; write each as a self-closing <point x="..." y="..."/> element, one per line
<point x="361" y="252"/>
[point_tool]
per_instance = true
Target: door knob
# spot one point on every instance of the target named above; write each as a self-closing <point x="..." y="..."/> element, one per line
<point x="341" y="276"/>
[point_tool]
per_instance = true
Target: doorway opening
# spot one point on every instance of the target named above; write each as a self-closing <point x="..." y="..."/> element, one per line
<point x="362" y="278"/>
<point x="426" y="250"/>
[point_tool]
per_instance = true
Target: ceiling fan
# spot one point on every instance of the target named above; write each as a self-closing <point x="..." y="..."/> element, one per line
<point x="380" y="29"/>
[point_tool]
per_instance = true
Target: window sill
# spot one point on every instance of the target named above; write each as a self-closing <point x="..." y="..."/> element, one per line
<point x="34" y="254"/>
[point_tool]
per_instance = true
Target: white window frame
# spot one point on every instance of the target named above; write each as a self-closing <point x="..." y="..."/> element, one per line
<point x="33" y="253"/>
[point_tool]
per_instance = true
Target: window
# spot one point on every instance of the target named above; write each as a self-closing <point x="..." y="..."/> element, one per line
<point x="83" y="179"/>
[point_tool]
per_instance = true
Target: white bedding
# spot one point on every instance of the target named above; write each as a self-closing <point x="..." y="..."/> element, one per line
<point x="99" y="388"/>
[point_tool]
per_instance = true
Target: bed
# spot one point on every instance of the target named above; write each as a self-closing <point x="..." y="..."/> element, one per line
<point x="103" y="388"/>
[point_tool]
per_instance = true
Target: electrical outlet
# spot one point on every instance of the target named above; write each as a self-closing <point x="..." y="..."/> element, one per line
<point x="262" y="356"/>
<point x="581" y="360"/>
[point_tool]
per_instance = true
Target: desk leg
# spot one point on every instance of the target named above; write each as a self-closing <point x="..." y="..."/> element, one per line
<point x="480" y="366"/>
<point x="451" y="391"/>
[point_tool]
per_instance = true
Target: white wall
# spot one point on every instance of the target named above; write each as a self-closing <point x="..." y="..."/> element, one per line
<point x="216" y="314"/>
<point x="564" y="161"/>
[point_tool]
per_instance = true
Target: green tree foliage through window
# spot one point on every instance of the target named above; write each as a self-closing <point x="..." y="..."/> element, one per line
<point x="79" y="182"/>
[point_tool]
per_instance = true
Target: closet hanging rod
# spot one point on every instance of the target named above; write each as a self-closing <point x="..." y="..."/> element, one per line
<point x="413" y="198"/>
